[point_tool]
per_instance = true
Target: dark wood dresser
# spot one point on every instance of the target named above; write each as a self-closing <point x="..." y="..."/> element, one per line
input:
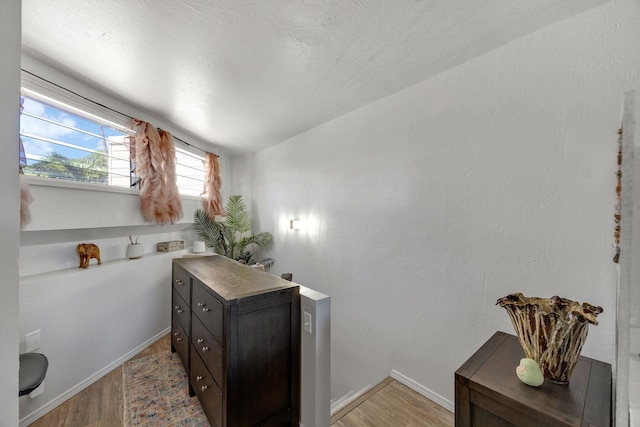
<point x="488" y="392"/>
<point x="237" y="333"/>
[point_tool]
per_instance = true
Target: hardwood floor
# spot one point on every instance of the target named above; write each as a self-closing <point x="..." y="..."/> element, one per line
<point x="392" y="404"/>
<point x="388" y="404"/>
<point x="100" y="404"/>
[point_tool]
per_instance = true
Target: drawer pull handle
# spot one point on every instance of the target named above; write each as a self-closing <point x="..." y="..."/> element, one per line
<point x="205" y="348"/>
<point x="180" y="311"/>
<point x="179" y="282"/>
<point x="200" y="304"/>
<point x="199" y="378"/>
<point x="204" y="387"/>
<point x="179" y="339"/>
<point x="176" y="333"/>
<point x="177" y="307"/>
<point x="205" y="309"/>
<point x="200" y="341"/>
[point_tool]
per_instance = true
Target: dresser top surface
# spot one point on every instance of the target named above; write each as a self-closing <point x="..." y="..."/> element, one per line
<point x="230" y="279"/>
<point x="492" y="370"/>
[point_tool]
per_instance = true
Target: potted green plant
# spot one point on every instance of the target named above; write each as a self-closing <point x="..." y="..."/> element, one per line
<point x="232" y="237"/>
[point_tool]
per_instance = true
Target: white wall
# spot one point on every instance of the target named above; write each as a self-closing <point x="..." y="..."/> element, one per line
<point x="63" y="217"/>
<point x="634" y="303"/>
<point x="315" y="343"/>
<point x="93" y="320"/>
<point x="424" y="208"/>
<point x="9" y="214"/>
<point x="240" y="180"/>
<point x="628" y="265"/>
<point x="90" y="320"/>
<point x="634" y="291"/>
<point x="86" y="316"/>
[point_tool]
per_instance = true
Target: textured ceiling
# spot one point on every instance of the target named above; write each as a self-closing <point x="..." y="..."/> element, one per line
<point x="243" y="75"/>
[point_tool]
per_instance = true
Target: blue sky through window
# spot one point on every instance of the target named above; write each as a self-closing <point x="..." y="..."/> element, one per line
<point x="60" y="144"/>
<point x="51" y="123"/>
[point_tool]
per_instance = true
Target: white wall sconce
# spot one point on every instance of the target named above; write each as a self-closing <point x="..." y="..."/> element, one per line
<point x="295" y="224"/>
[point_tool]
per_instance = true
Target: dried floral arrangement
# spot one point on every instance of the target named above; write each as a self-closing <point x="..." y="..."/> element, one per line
<point x="551" y="331"/>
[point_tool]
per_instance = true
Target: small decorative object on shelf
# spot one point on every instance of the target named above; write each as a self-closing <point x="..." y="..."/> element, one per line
<point x="135" y="250"/>
<point x="199" y="246"/>
<point x="529" y="372"/>
<point x="172" y="245"/>
<point x="551" y="331"/>
<point x="86" y="251"/>
<point x="258" y="266"/>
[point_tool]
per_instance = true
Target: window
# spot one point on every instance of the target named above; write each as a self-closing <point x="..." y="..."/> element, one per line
<point x="190" y="172"/>
<point x="59" y="144"/>
<point x="68" y="143"/>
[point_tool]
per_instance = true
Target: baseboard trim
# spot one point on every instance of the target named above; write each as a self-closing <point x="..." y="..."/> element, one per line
<point x="348" y="398"/>
<point x="429" y="394"/>
<point x="87" y="382"/>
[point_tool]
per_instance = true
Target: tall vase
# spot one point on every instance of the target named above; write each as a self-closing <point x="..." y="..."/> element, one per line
<point x="135" y="251"/>
<point x="551" y="331"/>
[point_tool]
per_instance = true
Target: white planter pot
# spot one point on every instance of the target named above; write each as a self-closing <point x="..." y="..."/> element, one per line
<point x="199" y="247"/>
<point x="135" y="251"/>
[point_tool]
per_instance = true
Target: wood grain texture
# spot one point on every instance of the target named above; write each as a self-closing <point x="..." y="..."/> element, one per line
<point x="230" y="279"/>
<point x="489" y="393"/>
<point x="245" y="336"/>
<point x="101" y="404"/>
<point x="388" y="404"/>
<point x="462" y="375"/>
<point x="393" y="404"/>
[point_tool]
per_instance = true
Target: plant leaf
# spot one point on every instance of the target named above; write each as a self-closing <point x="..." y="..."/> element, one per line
<point x="212" y="232"/>
<point x="237" y="218"/>
<point x="227" y="237"/>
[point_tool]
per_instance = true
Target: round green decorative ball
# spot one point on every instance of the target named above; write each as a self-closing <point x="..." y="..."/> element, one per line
<point x="529" y="372"/>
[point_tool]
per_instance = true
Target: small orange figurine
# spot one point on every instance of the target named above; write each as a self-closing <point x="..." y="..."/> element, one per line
<point x="86" y="252"/>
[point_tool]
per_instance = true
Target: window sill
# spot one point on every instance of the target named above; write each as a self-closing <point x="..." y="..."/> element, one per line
<point x="61" y="183"/>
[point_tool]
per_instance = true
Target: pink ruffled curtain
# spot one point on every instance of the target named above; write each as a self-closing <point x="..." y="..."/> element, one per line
<point x="25" y="200"/>
<point x="155" y="157"/>
<point x="211" y="198"/>
<point x="25" y="194"/>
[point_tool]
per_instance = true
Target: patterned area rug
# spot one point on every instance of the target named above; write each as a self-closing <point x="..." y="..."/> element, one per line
<point x="156" y="393"/>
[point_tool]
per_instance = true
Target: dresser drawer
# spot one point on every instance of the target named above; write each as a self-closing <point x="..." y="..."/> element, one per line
<point x="209" y="395"/>
<point x="209" y="350"/>
<point x="208" y="309"/>
<point x="180" y="310"/>
<point x="243" y="342"/>
<point x="182" y="282"/>
<point x="180" y="342"/>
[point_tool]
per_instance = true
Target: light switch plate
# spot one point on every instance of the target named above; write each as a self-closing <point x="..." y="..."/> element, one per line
<point x="307" y="321"/>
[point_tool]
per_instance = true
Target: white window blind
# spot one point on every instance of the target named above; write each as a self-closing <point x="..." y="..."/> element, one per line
<point x="190" y="172"/>
<point x="62" y="143"/>
<point x="68" y="137"/>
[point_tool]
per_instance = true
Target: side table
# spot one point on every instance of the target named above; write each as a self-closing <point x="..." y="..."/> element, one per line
<point x="488" y="392"/>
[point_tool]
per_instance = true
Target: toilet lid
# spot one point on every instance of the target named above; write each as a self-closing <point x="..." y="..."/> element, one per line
<point x="33" y="368"/>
